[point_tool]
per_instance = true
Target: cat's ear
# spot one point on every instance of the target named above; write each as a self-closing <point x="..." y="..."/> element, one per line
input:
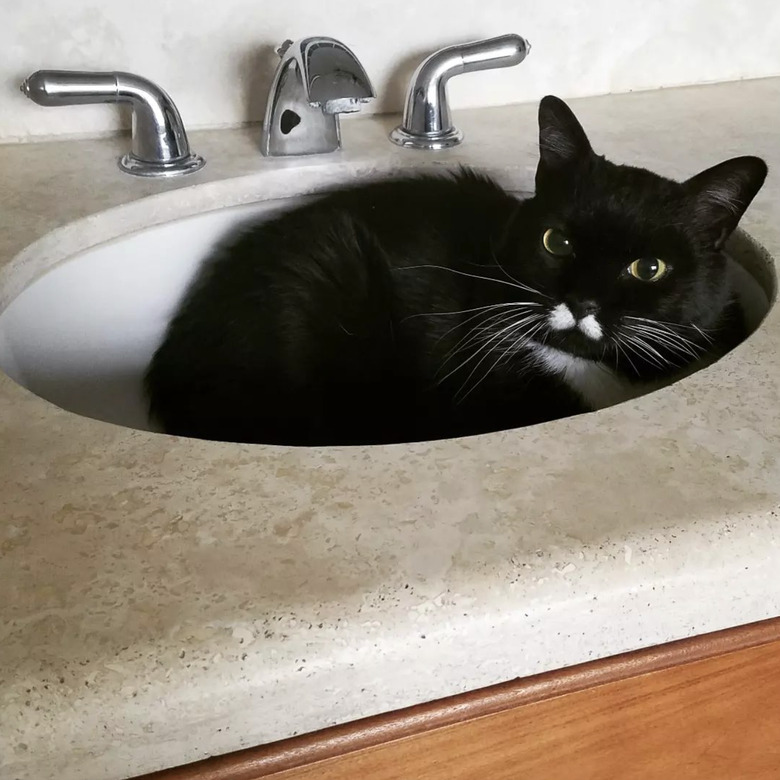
<point x="562" y="141"/>
<point x="720" y="195"/>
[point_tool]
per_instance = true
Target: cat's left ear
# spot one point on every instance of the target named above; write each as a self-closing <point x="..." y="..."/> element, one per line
<point x="562" y="141"/>
<point x="721" y="194"/>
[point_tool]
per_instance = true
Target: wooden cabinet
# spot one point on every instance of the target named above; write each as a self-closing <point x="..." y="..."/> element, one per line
<point x="706" y="708"/>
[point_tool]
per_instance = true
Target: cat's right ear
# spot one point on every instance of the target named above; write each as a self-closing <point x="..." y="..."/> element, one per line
<point x="721" y="194"/>
<point x="562" y="141"/>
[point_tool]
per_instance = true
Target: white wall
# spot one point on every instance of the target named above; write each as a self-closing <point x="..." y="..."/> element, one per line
<point x="215" y="57"/>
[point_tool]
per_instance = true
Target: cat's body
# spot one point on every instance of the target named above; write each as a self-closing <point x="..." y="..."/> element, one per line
<point x="349" y="344"/>
<point x="433" y="307"/>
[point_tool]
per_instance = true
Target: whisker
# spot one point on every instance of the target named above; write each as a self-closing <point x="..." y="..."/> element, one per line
<point x="475" y="333"/>
<point x="703" y="334"/>
<point x="516" y="324"/>
<point x="514" y="346"/>
<point x="671" y="340"/>
<point x="516" y="285"/>
<point x="669" y="330"/>
<point x="641" y="347"/>
<point x="486" y="346"/>
<point x="640" y="350"/>
<point x="632" y="348"/>
<point x="460" y="396"/>
<point x="467" y="311"/>
<point x="516" y="281"/>
<point x="658" y="328"/>
<point x="692" y="326"/>
<point x="518" y="345"/>
<point x="680" y="344"/>
<point x="661" y="339"/>
<point x="471" y="319"/>
<point x="624" y="352"/>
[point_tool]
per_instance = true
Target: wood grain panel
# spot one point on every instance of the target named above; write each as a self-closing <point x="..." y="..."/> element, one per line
<point x="717" y="719"/>
<point x="707" y="707"/>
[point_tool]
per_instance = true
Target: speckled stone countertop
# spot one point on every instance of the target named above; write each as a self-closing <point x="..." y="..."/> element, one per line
<point x="165" y="599"/>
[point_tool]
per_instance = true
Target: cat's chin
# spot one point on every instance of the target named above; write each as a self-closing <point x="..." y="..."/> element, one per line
<point x="575" y="344"/>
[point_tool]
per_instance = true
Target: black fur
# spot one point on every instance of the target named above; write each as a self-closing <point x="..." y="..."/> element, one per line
<point x="356" y="318"/>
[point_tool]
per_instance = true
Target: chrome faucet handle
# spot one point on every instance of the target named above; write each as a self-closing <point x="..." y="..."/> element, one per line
<point x="317" y="79"/>
<point x="159" y="145"/>
<point x="427" y="123"/>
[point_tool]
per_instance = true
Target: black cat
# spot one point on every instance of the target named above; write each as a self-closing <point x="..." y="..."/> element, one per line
<point x="433" y="307"/>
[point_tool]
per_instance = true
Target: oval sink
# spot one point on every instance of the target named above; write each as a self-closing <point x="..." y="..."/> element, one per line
<point x="81" y="335"/>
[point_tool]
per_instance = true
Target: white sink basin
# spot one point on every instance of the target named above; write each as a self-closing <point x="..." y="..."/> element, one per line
<point x="82" y="334"/>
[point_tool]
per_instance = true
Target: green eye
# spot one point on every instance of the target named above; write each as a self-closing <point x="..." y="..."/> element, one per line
<point x="556" y="243"/>
<point x="648" y="269"/>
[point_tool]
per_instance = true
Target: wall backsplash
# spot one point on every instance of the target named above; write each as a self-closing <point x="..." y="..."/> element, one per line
<point x="216" y="58"/>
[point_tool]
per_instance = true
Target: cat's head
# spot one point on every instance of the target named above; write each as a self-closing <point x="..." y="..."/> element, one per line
<point x="628" y="265"/>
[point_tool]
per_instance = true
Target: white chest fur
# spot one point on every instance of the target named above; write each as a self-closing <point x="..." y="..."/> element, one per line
<point x="595" y="383"/>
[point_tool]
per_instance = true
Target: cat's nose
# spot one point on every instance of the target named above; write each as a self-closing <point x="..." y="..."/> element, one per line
<point x="581" y="307"/>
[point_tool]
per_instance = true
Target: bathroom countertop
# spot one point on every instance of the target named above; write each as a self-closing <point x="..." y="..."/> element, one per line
<point x="166" y="599"/>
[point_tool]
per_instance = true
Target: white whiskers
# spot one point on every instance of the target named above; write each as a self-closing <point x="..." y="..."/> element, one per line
<point x="511" y="348"/>
<point x="500" y="335"/>
<point x="512" y="283"/>
<point x="496" y="330"/>
<point x="660" y="343"/>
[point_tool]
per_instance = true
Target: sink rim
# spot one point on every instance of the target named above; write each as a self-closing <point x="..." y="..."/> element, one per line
<point x="103" y="228"/>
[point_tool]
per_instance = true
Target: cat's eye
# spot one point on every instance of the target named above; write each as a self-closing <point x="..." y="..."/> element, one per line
<point x="556" y="243"/>
<point x="648" y="269"/>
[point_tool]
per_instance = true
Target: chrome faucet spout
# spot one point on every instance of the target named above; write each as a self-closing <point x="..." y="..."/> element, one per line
<point x="427" y="123"/>
<point x="317" y="79"/>
<point x="159" y="145"/>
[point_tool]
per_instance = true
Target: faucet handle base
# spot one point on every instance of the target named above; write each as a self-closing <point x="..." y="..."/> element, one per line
<point x="442" y="140"/>
<point x="158" y="141"/>
<point x="133" y="165"/>
<point x="426" y="120"/>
